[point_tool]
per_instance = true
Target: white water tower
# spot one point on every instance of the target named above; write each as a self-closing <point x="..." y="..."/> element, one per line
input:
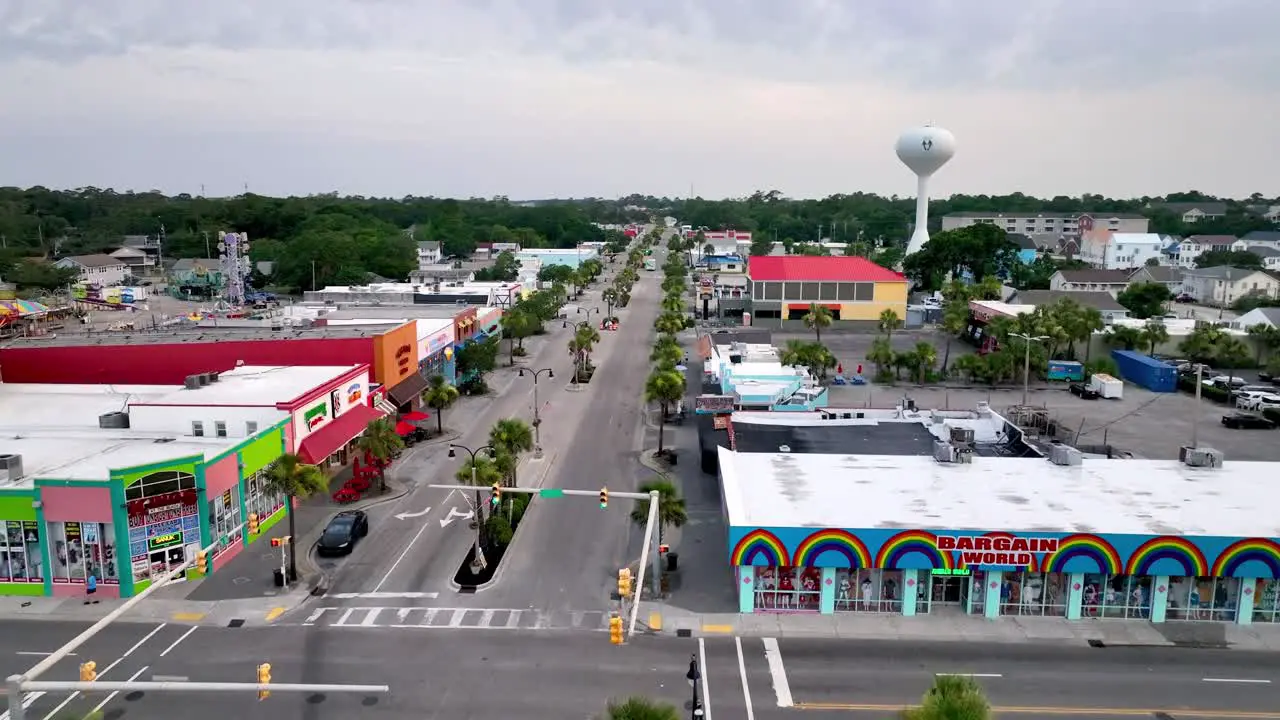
<point x="924" y="150"/>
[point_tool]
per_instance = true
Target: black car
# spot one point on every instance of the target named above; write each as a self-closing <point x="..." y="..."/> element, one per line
<point x="342" y="533"/>
<point x="1083" y="391"/>
<point x="1245" y="421"/>
<point x="1185" y="298"/>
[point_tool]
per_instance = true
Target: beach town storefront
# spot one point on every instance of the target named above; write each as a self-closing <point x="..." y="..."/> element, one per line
<point x="435" y="349"/>
<point x="913" y="572"/>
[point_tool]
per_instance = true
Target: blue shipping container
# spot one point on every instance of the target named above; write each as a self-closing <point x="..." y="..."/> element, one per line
<point x="1065" y="370"/>
<point x="1146" y="371"/>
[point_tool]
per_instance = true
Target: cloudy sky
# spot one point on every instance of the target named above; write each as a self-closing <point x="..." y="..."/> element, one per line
<point x="556" y="98"/>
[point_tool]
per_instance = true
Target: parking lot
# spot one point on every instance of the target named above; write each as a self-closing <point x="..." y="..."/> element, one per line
<point x="1146" y="424"/>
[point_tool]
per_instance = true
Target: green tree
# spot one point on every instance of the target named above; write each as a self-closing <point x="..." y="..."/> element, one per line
<point x="505" y="268"/>
<point x="1265" y="340"/>
<point x="438" y="396"/>
<point x="671" y="508"/>
<point x="955" y="318"/>
<point x="665" y="387"/>
<point x="1145" y="300"/>
<point x="978" y="251"/>
<point x="289" y="476"/>
<point x="1123" y="337"/>
<point x="816" y="319"/>
<point x="880" y="355"/>
<point x="580" y="346"/>
<point x="926" y="356"/>
<point x="381" y="442"/>
<point x="673" y="304"/>
<point x="666" y="352"/>
<point x="474" y="359"/>
<point x="889" y="321"/>
<point x="669" y="323"/>
<point x="1230" y="258"/>
<point x="480" y="471"/>
<point x="639" y="708"/>
<point x="511" y="436"/>
<point x="517" y="325"/>
<point x="952" y="697"/>
<point x="1153" y="335"/>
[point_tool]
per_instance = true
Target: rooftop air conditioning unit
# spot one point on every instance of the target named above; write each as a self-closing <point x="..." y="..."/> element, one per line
<point x="204" y="379"/>
<point x="191" y="382"/>
<point x="962" y="435"/>
<point x="1205" y="458"/>
<point x="1065" y="455"/>
<point x="984" y="409"/>
<point x="113" y="421"/>
<point x="10" y="466"/>
<point x="214" y="377"/>
<point x="944" y="452"/>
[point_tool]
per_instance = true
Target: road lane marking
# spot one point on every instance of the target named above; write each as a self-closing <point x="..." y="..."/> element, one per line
<point x="1236" y="680"/>
<point x="655" y="621"/>
<point x="179" y="640"/>
<point x="40" y="654"/>
<point x="396" y="564"/>
<point x="98" y="708"/>
<point x="742" y="671"/>
<point x="778" y="672"/>
<point x="706" y="686"/>
<point x="1057" y="710"/>
<point x="27" y="699"/>
<point x="119" y="660"/>
<point x="969" y="675"/>
<point x="385" y="596"/>
<point x="372" y="618"/>
<point x="275" y="613"/>
<point x="188" y="616"/>
<point x="456" y="620"/>
<point x="718" y="629"/>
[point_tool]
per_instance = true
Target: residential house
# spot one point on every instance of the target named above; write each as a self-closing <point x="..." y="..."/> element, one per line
<point x="1194" y="246"/>
<point x="1262" y="237"/>
<point x="1103" y="302"/>
<point x="139" y="261"/>
<point x="429" y="253"/>
<point x="195" y="278"/>
<point x="1111" y="282"/>
<point x="1057" y="225"/>
<point x="96" y="269"/>
<point x="443" y="274"/>
<point x="1170" y="277"/>
<point x="1267" y="316"/>
<point x="152" y="245"/>
<point x="1269" y="255"/>
<point x="1221" y="286"/>
<point x="1028" y="250"/>
<point x="1193" y="212"/>
<point x="1109" y="250"/>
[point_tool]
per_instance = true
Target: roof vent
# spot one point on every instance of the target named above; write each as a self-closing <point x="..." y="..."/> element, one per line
<point x="1202" y="457"/>
<point x="191" y="382"/>
<point x="214" y="377"/>
<point x="204" y="379"/>
<point x="113" y="421"/>
<point x="10" y="467"/>
<point x="784" y="448"/>
<point x="1064" y="455"/>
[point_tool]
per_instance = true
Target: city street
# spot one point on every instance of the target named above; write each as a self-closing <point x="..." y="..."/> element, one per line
<point x="446" y="674"/>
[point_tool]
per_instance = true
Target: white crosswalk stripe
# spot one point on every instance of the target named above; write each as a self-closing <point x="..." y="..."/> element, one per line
<point x="440" y="618"/>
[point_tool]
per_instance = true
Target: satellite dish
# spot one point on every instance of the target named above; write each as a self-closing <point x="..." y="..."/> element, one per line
<point x="924" y="150"/>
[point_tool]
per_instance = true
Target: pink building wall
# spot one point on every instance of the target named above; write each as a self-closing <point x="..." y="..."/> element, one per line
<point x="225" y="556"/>
<point x="104" y="591"/>
<point x="289" y="447"/>
<point x="76" y="504"/>
<point x="221" y="476"/>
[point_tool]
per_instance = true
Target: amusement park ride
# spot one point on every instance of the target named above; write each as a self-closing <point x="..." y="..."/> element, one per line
<point x="235" y="299"/>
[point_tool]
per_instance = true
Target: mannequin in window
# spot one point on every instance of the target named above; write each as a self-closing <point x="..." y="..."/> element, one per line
<point x="889" y="592"/>
<point x="786" y="587"/>
<point x="843" y="597"/>
<point x="866" y="590"/>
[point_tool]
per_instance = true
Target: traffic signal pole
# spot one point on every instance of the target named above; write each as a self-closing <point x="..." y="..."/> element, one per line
<point x="195" y="687"/>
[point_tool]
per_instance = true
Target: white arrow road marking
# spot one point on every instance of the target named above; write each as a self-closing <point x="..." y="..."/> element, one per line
<point x="406" y="515"/>
<point x="454" y="515"/>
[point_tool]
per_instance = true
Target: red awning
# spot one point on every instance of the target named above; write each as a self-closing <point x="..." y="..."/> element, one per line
<point x="326" y="441"/>
<point x="404" y="428"/>
<point x="415" y="416"/>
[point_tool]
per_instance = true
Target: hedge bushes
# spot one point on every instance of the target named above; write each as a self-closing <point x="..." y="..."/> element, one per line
<point x="1272" y="415"/>
<point x="1187" y="383"/>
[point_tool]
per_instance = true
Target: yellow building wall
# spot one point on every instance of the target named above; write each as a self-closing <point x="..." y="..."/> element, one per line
<point x="888" y="296"/>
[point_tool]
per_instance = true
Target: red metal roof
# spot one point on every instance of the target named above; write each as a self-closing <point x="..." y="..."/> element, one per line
<point x="813" y="268"/>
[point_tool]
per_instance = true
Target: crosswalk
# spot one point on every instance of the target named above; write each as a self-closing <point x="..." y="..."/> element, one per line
<point x="442" y="618"/>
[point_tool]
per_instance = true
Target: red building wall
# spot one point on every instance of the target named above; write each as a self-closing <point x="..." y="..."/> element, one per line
<point x="169" y="364"/>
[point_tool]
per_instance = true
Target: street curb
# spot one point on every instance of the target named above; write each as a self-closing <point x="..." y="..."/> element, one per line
<point x="321" y="584"/>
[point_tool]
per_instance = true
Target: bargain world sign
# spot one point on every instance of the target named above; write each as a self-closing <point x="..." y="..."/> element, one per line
<point x="998" y="550"/>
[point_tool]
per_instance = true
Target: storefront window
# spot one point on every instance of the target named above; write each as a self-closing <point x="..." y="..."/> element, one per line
<point x="20" y="559"/>
<point x="943" y="590"/>
<point x="162" y="525"/>
<point x="80" y="549"/>
<point x="224" y="518"/>
<point x="1033" y="593"/>
<point x="1117" y="596"/>
<point x="258" y="499"/>
<point x="1264" y="601"/>
<point x="869" y="591"/>
<point x="787" y="588"/>
<point x="1205" y="598"/>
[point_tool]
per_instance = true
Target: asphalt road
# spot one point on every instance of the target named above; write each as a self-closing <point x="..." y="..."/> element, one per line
<point x="446" y="674"/>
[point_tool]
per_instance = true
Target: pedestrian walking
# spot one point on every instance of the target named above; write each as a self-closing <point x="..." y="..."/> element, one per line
<point x="90" y="587"/>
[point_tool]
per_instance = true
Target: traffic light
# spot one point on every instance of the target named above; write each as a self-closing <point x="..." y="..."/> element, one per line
<point x="253" y="523"/>
<point x="202" y="559"/>
<point x="264" y="678"/>
<point x="624" y="582"/>
<point x="88" y="671"/>
<point x="495" y="495"/>
<point x="663" y="549"/>
<point x="604" y="498"/>
<point x="615" y="630"/>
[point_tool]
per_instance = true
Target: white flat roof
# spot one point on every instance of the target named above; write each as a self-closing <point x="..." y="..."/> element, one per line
<point x="82" y="454"/>
<point x="24" y="406"/>
<point x="1140" y="497"/>
<point x="256" y="385"/>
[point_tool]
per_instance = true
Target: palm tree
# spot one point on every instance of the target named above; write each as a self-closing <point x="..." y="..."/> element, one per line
<point x="669" y="323"/>
<point x="673" y="304"/>
<point x="889" y="321"/>
<point x="480" y="471"/>
<point x="1265" y="339"/>
<point x="610" y="296"/>
<point x="518" y="325"/>
<point x="955" y="320"/>
<point x="671" y="510"/>
<point x="289" y="476"/>
<point x="926" y="357"/>
<point x="381" y="442"/>
<point x="951" y="698"/>
<point x="638" y="708"/>
<point x="511" y="436"/>
<point x="1153" y="334"/>
<point x="664" y="386"/>
<point x="580" y="346"/>
<point x="1123" y="336"/>
<point x="666" y="354"/>
<point x="438" y="396"/>
<point x="817" y="318"/>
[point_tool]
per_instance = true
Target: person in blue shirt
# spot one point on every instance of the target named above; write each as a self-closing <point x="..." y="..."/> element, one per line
<point x="90" y="587"/>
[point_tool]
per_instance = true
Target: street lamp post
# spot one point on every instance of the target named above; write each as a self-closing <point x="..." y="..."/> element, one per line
<point x="1026" y="359"/>
<point x="537" y="416"/>
<point x="477" y="563"/>
<point x="693" y="676"/>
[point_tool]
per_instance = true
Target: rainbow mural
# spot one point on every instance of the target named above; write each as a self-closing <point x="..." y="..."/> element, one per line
<point x="958" y="555"/>
<point x="762" y="548"/>
<point x="1167" y="555"/>
<point x="841" y="543"/>
<point x="1251" y="557"/>
<point x="1084" y="553"/>
<point x="913" y="550"/>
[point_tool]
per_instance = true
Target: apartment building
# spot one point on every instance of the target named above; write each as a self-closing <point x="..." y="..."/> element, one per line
<point x="1047" y="223"/>
<point x="1112" y="282"/>
<point x="1120" y="251"/>
<point x="1194" y="246"/>
<point x="1221" y="286"/>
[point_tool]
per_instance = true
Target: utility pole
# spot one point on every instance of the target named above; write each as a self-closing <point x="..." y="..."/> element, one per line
<point x="206" y="243"/>
<point x="1195" y="416"/>
<point x="313" y="275"/>
<point x="1026" y="361"/>
<point x="693" y="676"/>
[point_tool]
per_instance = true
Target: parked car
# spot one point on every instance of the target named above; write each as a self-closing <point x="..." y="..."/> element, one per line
<point x="1083" y="391"/>
<point x="1265" y="376"/>
<point x="1185" y="298"/>
<point x="1226" y="382"/>
<point x="1186" y="367"/>
<point x="1258" y="401"/>
<point x="1247" y="421"/>
<point x="341" y="534"/>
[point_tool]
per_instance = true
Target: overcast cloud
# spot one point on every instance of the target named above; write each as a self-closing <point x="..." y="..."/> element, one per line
<point x="543" y="98"/>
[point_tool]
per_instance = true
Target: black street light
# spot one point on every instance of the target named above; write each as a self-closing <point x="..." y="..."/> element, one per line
<point x="693" y="676"/>
<point x="537" y="417"/>
<point x="478" y="561"/>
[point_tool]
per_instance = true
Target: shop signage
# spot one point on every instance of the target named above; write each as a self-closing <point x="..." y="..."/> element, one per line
<point x="713" y="404"/>
<point x="355" y="393"/>
<point x="999" y="550"/>
<point x="402" y="359"/>
<point x="161" y="542"/>
<point x="316" y="415"/>
<point x="438" y="341"/>
<point x="952" y="572"/>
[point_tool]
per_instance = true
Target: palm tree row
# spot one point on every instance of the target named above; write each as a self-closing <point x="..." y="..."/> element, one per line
<point x="665" y="384"/>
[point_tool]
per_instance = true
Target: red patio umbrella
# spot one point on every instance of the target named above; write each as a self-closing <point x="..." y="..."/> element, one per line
<point x="404" y="428"/>
<point x="415" y="416"/>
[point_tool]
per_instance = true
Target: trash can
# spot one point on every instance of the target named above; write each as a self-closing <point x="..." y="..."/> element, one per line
<point x="278" y="574"/>
<point x="673" y="560"/>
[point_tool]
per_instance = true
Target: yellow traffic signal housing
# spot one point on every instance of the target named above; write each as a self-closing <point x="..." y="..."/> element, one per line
<point x="264" y="678"/>
<point x="615" y="630"/>
<point x="202" y="559"/>
<point x="495" y="495"/>
<point x="253" y="523"/>
<point x="604" y="498"/>
<point x="624" y="582"/>
<point x="88" y="671"/>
